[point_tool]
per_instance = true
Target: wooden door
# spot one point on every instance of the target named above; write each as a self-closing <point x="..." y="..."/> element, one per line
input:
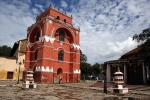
<point x="9" y="75"/>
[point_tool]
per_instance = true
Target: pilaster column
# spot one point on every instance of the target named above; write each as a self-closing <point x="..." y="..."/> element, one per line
<point x="147" y="72"/>
<point x="46" y="26"/>
<point x="144" y="76"/>
<point x="125" y="73"/>
<point x="108" y="74"/>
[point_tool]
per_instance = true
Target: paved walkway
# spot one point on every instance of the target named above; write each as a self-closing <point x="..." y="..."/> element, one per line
<point x="7" y="82"/>
<point x="71" y="91"/>
<point x="48" y="92"/>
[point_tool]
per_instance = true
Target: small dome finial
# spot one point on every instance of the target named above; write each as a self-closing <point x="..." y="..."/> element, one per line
<point x="118" y="69"/>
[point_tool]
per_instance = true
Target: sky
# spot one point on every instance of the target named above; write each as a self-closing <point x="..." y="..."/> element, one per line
<point x="106" y="26"/>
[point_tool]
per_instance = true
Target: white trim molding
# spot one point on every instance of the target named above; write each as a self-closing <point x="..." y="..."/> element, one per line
<point x="75" y="46"/>
<point x="32" y="44"/>
<point x="76" y="71"/>
<point x="55" y="49"/>
<point x="77" y="32"/>
<point x="44" y="69"/>
<point x="47" y="39"/>
<point x="49" y="21"/>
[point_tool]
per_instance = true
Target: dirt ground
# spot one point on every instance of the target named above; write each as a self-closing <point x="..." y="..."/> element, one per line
<point x="74" y="91"/>
<point x="49" y="92"/>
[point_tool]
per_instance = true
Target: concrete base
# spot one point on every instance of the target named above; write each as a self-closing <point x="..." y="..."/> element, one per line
<point x="27" y="86"/>
<point x="120" y="91"/>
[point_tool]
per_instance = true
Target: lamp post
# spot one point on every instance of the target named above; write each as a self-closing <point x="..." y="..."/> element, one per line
<point x="19" y="73"/>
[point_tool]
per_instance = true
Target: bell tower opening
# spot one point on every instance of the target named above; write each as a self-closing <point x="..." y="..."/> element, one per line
<point x="34" y="35"/>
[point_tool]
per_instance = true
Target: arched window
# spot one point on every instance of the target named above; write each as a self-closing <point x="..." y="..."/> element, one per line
<point x="34" y="35"/>
<point x="65" y="20"/>
<point x="57" y="17"/>
<point x="61" y="55"/>
<point x="61" y="35"/>
<point x="37" y="35"/>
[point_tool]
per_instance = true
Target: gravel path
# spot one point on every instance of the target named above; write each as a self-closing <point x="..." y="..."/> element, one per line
<point x="74" y="91"/>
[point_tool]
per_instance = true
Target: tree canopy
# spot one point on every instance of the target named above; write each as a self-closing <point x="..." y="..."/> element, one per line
<point x="144" y="36"/>
<point x="83" y="57"/>
<point x="5" y="50"/>
<point x="87" y="69"/>
<point x="145" y="46"/>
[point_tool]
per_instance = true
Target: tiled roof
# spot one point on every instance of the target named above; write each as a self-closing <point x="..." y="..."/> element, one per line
<point x="133" y="53"/>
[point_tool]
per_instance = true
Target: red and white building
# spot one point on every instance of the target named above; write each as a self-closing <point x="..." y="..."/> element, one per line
<point x="53" y="50"/>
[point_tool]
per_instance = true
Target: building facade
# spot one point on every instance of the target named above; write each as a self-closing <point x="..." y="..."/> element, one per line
<point x="53" y="50"/>
<point x="12" y="67"/>
<point x="134" y="69"/>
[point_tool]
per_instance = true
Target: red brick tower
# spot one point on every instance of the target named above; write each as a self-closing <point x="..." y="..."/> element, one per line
<point x="53" y="50"/>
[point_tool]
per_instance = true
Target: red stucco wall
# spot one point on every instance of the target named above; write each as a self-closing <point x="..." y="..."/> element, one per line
<point x="47" y="25"/>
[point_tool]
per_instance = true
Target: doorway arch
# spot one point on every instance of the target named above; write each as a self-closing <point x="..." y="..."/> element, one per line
<point x="59" y="71"/>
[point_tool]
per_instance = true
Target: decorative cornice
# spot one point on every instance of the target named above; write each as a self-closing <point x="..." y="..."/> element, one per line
<point x="53" y="19"/>
<point x="58" y="60"/>
<point x="51" y="70"/>
<point x="52" y="39"/>
<point x="53" y="60"/>
<point x="56" y="49"/>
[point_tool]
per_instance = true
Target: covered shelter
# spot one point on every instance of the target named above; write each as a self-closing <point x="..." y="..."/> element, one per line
<point x="134" y="69"/>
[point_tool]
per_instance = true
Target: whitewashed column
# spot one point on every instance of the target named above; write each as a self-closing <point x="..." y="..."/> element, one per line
<point x="147" y="71"/>
<point x="144" y="76"/>
<point x="108" y="74"/>
<point x="125" y="73"/>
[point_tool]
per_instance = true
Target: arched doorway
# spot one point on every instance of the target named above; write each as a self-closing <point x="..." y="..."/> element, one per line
<point x="59" y="71"/>
<point x="59" y="74"/>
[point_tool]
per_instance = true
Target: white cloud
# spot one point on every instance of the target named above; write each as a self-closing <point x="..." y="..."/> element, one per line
<point x="107" y="27"/>
<point x="64" y="4"/>
<point x="14" y="18"/>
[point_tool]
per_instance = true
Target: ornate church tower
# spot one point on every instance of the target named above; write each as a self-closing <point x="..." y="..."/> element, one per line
<point x="53" y="50"/>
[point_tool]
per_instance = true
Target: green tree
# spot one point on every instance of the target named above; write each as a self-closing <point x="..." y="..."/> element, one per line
<point x="96" y="69"/>
<point x="144" y="37"/>
<point x="85" y="70"/>
<point x="83" y="57"/>
<point x="85" y="67"/>
<point x="5" y="50"/>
